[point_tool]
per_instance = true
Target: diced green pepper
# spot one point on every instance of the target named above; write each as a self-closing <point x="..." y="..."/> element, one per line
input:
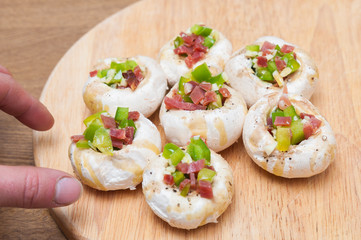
<point x="278" y="48"/>
<point x="92" y="128"/>
<point x="91" y="118"/>
<point x="102" y="73"/>
<point x="82" y="144"/>
<point x="178" y="42"/>
<point x="177" y="156"/>
<point x="201" y="73"/>
<point x="206" y="174"/>
<point x="197" y="149"/>
<point x="264" y="74"/>
<point x="297" y="132"/>
<point x="181" y="83"/>
<point x="185" y="190"/>
<point x="272" y="66"/>
<point x="219" y="80"/>
<point x="253" y="48"/>
<point x="208" y="42"/>
<point x="131" y="65"/>
<point x="290" y="112"/>
<point x="116" y="66"/>
<point x="277" y="113"/>
<point x="201" y="30"/>
<point x="187" y="98"/>
<point x="169" y="148"/>
<point x="283" y="138"/>
<point x="178" y="177"/>
<point x="102" y="141"/>
<point x="130" y="123"/>
<point x="293" y="64"/>
<point x="287" y="57"/>
<point x="121" y="114"/>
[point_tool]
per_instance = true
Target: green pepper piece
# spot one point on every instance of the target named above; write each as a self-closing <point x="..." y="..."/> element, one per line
<point x="130" y="123"/>
<point x="178" y="177"/>
<point x="197" y="149"/>
<point x="121" y="114"/>
<point x="185" y="190"/>
<point x="277" y="113"/>
<point x="201" y="30"/>
<point x="102" y="141"/>
<point x="82" y="144"/>
<point x="219" y="80"/>
<point x="253" y="48"/>
<point x="187" y="98"/>
<point x="181" y="83"/>
<point x="208" y="42"/>
<point x="201" y="73"/>
<point x="293" y="64"/>
<point x="169" y="149"/>
<point x="92" y="128"/>
<point x="264" y="74"/>
<point x="278" y="48"/>
<point x="290" y="112"/>
<point x="102" y="73"/>
<point x="283" y="138"/>
<point x="131" y="65"/>
<point x="91" y="118"/>
<point x="297" y="132"/>
<point x="178" y="41"/>
<point x="206" y="174"/>
<point x="116" y="66"/>
<point x="177" y="156"/>
<point x="272" y="66"/>
<point x="287" y="57"/>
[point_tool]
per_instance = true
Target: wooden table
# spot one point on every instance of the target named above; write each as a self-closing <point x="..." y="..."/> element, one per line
<point x="34" y="35"/>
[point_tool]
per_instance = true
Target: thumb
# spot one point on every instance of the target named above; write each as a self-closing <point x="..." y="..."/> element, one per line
<point x="31" y="187"/>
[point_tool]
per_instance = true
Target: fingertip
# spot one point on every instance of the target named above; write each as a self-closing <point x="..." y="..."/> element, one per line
<point x="67" y="191"/>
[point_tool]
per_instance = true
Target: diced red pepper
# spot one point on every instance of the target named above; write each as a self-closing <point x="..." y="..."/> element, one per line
<point x="183" y="167"/>
<point x="197" y="95"/>
<point x="267" y="45"/>
<point x="168" y="179"/>
<point x="193" y="179"/>
<point x="225" y="93"/>
<point x="117" y="133"/>
<point x="287" y="48"/>
<point x="93" y="73"/>
<point x="77" y="138"/>
<point x="262" y="61"/>
<point x="282" y="121"/>
<point x="133" y="115"/>
<point x="195" y="167"/>
<point x="108" y="122"/>
<point x="171" y="103"/>
<point x="184" y="183"/>
<point x="205" y="189"/>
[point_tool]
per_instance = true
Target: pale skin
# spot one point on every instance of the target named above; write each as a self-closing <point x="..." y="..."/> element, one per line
<point x="27" y="186"/>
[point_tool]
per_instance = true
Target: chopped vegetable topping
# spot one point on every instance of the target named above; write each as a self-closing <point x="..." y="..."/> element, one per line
<point x="289" y="128"/>
<point x="272" y="63"/>
<point x="121" y="75"/>
<point x="199" y="91"/>
<point x="104" y="133"/>
<point x="194" y="46"/>
<point x="188" y="169"/>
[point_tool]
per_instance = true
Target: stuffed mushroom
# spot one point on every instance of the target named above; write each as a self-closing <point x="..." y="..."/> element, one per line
<point x="138" y="83"/>
<point x="287" y="136"/>
<point x="201" y="104"/>
<point x="199" y="44"/>
<point x="267" y="65"/>
<point x="112" y="152"/>
<point x="188" y="187"/>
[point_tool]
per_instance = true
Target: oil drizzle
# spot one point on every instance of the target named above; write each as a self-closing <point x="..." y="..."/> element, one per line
<point x="219" y="125"/>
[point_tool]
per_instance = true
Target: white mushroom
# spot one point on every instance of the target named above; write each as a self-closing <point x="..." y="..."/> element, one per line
<point x="122" y="170"/>
<point x="174" y="66"/>
<point x="221" y="127"/>
<point x="191" y="211"/>
<point x="145" y="99"/>
<point x="242" y="78"/>
<point x="308" y="158"/>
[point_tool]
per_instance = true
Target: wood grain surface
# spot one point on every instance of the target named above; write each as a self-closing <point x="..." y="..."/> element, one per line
<point x="34" y="35"/>
<point x="326" y="206"/>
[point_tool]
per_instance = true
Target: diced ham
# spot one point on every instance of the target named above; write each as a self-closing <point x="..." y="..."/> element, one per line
<point x="282" y="121"/>
<point x="206" y="86"/>
<point x="129" y="135"/>
<point x="108" y="122"/>
<point x="316" y="123"/>
<point x="189" y="61"/>
<point x="294" y="56"/>
<point x="183" y="50"/>
<point x="209" y="97"/>
<point x="205" y="189"/>
<point x="133" y="115"/>
<point x="132" y="80"/>
<point x="188" y="40"/>
<point x="171" y="103"/>
<point x="287" y="48"/>
<point x="93" y="73"/>
<point x="184" y="183"/>
<point x="77" y="138"/>
<point x="198" y="47"/>
<point x="183" y="167"/>
<point x="117" y="143"/>
<point x="210" y="167"/>
<point x="262" y="61"/>
<point x="196" y="56"/>
<point x="168" y="179"/>
<point x="196" y="166"/>
<point x="281" y="64"/>
<point x="197" y="95"/>
<point x="311" y="126"/>
<point x="307" y="130"/>
<point x="188" y="87"/>
<point x="193" y="179"/>
<point x="269" y="122"/>
<point x="138" y="73"/>
<point x="117" y="133"/>
<point x="225" y="93"/>
<point x="303" y="115"/>
<point x="267" y="45"/>
<point x="284" y="102"/>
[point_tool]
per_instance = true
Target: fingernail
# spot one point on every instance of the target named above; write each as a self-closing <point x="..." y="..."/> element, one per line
<point x="67" y="190"/>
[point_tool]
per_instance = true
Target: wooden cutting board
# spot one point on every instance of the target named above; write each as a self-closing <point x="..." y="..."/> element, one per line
<point x="322" y="207"/>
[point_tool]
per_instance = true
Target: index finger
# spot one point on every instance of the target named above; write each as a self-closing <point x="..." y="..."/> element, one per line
<point x="15" y="101"/>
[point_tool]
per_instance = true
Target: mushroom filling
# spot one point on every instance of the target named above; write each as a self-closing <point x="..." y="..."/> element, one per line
<point x="272" y="63"/>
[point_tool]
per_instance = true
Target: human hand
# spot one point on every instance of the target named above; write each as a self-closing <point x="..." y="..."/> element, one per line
<point x="27" y="186"/>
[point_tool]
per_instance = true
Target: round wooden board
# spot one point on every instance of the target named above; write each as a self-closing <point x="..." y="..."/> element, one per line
<point x="264" y="206"/>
